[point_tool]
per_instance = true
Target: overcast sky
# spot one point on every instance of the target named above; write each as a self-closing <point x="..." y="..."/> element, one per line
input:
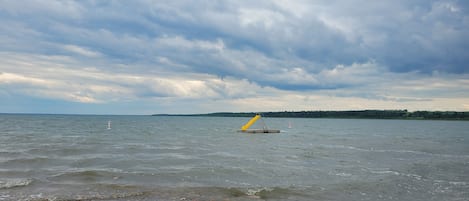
<point x="146" y="57"/>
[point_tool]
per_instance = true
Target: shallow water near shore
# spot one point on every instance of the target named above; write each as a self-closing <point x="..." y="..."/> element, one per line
<point x="76" y="157"/>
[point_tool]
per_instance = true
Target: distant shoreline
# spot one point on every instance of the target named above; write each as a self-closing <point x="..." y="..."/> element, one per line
<point x="350" y="114"/>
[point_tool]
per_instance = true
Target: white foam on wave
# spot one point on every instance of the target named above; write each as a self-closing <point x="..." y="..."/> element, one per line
<point x="11" y="183"/>
<point x="454" y="183"/>
<point x="385" y="172"/>
<point x="423" y="153"/>
<point x="256" y="191"/>
<point x="414" y="176"/>
<point x="178" y="156"/>
<point x="393" y="151"/>
<point x="4" y="196"/>
<point x="343" y="174"/>
<point x="396" y="173"/>
<point x="342" y="147"/>
<point x="458" y="183"/>
<point x="223" y="154"/>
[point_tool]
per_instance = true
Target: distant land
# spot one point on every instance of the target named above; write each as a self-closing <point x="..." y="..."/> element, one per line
<point x="352" y="114"/>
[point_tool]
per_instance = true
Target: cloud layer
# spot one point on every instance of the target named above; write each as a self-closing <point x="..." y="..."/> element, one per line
<point x="175" y="57"/>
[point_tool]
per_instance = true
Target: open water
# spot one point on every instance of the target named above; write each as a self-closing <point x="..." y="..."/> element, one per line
<point x="76" y="157"/>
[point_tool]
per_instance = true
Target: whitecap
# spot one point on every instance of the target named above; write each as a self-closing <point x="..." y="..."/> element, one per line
<point x="329" y="146"/>
<point x="4" y="196"/>
<point x="11" y="183"/>
<point x="385" y="172"/>
<point x="458" y="183"/>
<point x="252" y="192"/>
<point x="343" y="174"/>
<point x="392" y="151"/>
<point x="414" y="176"/>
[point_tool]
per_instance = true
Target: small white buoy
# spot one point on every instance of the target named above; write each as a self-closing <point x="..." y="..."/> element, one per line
<point x="108" y="124"/>
<point x="289" y="124"/>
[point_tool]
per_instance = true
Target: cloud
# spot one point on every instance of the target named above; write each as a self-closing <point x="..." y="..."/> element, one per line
<point x="65" y="9"/>
<point x="63" y="78"/>
<point x="81" y="51"/>
<point x="238" y="53"/>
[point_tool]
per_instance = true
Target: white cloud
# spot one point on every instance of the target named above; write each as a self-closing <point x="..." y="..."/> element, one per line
<point x="355" y="74"/>
<point x="49" y="78"/>
<point x="81" y="50"/>
<point x="66" y="9"/>
<point x="267" y="19"/>
<point x="181" y="43"/>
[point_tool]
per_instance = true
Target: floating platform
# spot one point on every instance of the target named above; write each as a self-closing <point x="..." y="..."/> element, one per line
<point x="260" y="131"/>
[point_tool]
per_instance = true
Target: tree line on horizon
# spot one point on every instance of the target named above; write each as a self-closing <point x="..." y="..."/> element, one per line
<point x="352" y="114"/>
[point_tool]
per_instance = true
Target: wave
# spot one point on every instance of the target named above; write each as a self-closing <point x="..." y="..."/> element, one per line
<point x="86" y="177"/>
<point x="274" y="193"/>
<point x="236" y="193"/>
<point x="385" y="172"/>
<point x="99" y="196"/>
<point x="28" y="160"/>
<point x="178" y="193"/>
<point x="459" y="183"/>
<point x="8" y="153"/>
<point x="88" y="173"/>
<point x="423" y="153"/>
<point x="454" y="183"/>
<point x="32" y="163"/>
<point x="83" y="196"/>
<point x="13" y="183"/>
<point x="343" y="174"/>
<point x="392" y="151"/>
<point x="396" y="173"/>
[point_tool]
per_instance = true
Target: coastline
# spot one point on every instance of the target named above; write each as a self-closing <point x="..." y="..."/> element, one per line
<point x="349" y="114"/>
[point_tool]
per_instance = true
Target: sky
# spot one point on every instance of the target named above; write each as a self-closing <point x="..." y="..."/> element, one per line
<point x="186" y="57"/>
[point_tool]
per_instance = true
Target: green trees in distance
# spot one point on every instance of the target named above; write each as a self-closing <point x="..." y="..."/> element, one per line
<point x="355" y="114"/>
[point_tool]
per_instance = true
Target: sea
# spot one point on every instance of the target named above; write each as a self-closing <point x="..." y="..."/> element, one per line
<point x="182" y="158"/>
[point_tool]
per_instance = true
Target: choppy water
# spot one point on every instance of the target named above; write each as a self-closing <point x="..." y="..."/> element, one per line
<point x="75" y="157"/>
